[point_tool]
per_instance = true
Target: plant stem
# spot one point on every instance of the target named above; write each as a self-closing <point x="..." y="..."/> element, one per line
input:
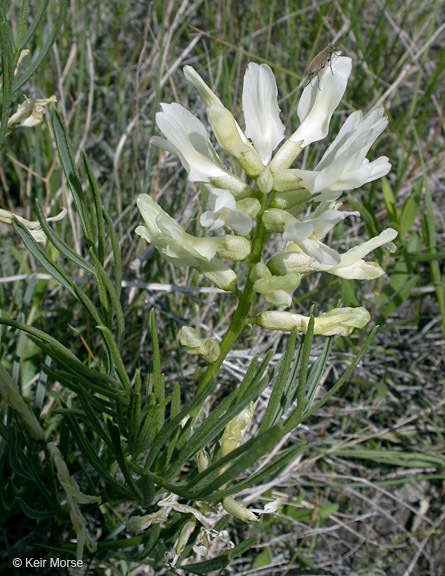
<point x="238" y="320"/>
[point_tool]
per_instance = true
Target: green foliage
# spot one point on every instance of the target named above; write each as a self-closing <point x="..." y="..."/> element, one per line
<point x="91" y="344"/>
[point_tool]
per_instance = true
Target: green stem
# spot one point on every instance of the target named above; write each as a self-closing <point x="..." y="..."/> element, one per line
<point x="235" y="328"/>
<point x="238" y="320"/>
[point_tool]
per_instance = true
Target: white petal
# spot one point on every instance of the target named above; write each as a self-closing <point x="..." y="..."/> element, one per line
<point x="356" y="253"/>
<point x="328" y="220"/>
<point x="261" y="110"/>
<point x="320" y="252"/>
<point x="379" y="168"/>
<point x="240" y="223"/>
<point x="208" y="219"/>
<point x="222" y="199"/>
<point x="208" y="96"/>
<point x="298" y="231"/>
<point x="360" y="270"/>
<point x="149" y="210"/>
<point x="355" y="137"/>
<point x="187" y="138"/>
<point x="319" y="100"/>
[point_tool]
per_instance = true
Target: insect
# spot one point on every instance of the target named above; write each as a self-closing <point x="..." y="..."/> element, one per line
<point x="319" y="61"/>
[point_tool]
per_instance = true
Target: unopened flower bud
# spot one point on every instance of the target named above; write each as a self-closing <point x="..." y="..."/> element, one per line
<point x="275" y="220"/>
<point x="259" y="271"/>
<point x="265" y="181"/>
<point x="231" y="506"/>
<point x="340" y="321"/>
<point x="232" y="183"/>
<point x="219" y="274"/>
<point x="286" y="180"/>
<point x="294" y="201"/>
<point x="208" y="348"/>
<point x="202" y="460"/>
<point x="285" y="156"/>
<point x="232" y="435"/>
<point x="231" y="139"/>
<point x="278" y="290"/>
<point x="291" y="259"/>
<point x="249" y="206"/>
<point x="234" y="248"/>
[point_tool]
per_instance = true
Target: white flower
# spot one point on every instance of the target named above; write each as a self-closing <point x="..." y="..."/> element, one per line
<point x="187" y="138"/>
<point x="261" y="110"/>
<point x="307" y="234"/>
<point x="344" y="165"/>
<point x="30" y="112"/>
<point x="207" y="95"/>
<point x="352" y="266"/>
<point x="277" y="290"/>
<point x="319" y="100"/>
<point x="339" y="321"/>
<point x="208" y="348"/>
<point x="180" y="248"/>
<point x="74" y="497"/>
<point x="33" y="226"/>
<point x="223" y="212"/>
<point x="225" y="127"/>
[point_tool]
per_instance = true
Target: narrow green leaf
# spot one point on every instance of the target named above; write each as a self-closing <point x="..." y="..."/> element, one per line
<point x="115" y="438"/>
<point x="218" y="420"/>
<point x="100" y="228"/>
<point x="7" y="59"/>
<point x="67" y="159"/>
<point x="117" y="262"/>
<point x="158" y="380"/>
<point x="35" y="249"/>
<point x="34" y="514"/>
<point x="79" y="383"/>
<point x="33" y="26"/>
<point x="317" y="369"/>
<point x="218" y="563"/>
<point x="89" y="453"/>
<point x="302" y="379"/>
<point x="266" y="473"/>
<point x="410" y="209"/>
<point x="49" y="41"/>
<point x="87" y="304"/>
<point x="296" y="418"/>
<point x="93" y="419"/>
<point x="116" y="357"/>
<point x="116" y="307"/>
<point x="390" y="201"/>
<point x="60" y="245"/>
<point x="60" y="354"/>
<point x="272" y="412"/>
<point x="244" y="456"/>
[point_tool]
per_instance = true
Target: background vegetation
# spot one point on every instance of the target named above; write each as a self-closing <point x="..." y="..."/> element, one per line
<point x="366" y="496"/>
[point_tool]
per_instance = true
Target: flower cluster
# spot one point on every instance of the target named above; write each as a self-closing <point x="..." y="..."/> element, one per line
<point x="300" y="205"/>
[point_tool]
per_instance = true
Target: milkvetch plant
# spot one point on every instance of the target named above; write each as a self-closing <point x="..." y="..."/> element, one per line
<point x="255" y="208"/>
<point x="168" y="464"/>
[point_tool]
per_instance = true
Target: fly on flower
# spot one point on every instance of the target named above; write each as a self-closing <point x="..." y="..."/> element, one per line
<point x="319" y="61"/>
